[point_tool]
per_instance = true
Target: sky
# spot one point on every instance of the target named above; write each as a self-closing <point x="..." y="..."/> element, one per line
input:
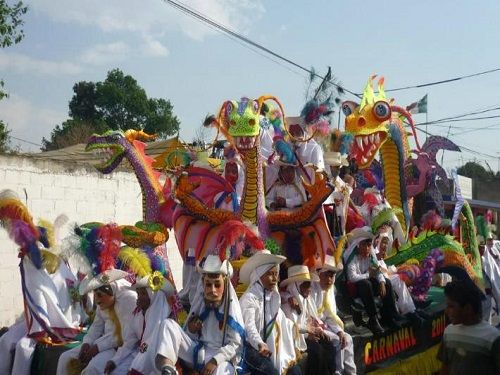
<point x="175" y="57"/>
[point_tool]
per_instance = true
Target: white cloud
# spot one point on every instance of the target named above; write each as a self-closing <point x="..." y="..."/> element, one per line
<point x="154" y="48"/>
<point x="27" y="121"/>
<point x="152" y="17"/>
<point x="102" y="54"/>
<point x="20" y="63"/>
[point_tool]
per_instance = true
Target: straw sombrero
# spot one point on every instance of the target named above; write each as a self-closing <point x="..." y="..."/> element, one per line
<point x="299" y="274"/>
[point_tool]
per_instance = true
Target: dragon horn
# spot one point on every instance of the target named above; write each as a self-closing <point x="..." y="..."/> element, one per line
<point x="403" y="112"/>
<point x="133" y="135"/>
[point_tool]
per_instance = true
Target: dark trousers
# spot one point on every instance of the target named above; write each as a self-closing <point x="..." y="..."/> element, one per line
<point x="259" y="365"/>
<point x="368" y="289"/>
<point x="320" y="357"/>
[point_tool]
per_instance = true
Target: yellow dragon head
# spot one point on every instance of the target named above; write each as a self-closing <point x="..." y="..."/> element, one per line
<point x="368" y="123"/>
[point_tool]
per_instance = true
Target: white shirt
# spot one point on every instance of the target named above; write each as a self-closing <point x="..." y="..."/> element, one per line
<point x="294" y="194"/>
<point x="358" y="268"/>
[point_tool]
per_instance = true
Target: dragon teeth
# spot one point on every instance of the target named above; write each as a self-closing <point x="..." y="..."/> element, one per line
<point x="371" y="138"/>
<point x="360" y="143"/>
<point x="377" y="138"/>
<point x="365" y="140"/>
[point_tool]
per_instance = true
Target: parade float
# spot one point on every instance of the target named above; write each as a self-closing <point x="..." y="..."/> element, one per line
<point x="184" y="203"/>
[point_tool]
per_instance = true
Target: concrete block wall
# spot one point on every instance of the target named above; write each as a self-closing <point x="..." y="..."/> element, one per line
<point x="50" y="188"/>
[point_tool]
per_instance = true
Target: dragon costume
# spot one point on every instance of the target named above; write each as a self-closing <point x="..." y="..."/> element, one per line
<point x="198" y="226"/>
<point x="377" y="125"/>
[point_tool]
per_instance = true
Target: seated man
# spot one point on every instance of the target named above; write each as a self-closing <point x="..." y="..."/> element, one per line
<point x="115" y="305"/>
<point x="312" y="337"/>
<point x="269" y="343"/>
<point x="230" y="200"/>
<point x="212" y="341"/>
<point x="363" y="272"/>
<point x="323" y="295"/>
<point x="287" y="192"/>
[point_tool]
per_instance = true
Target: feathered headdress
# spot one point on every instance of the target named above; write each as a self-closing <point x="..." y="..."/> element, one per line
<point x="15" y="217"/>
<point x="321" y="101"/>
<point x="234" y="237"/>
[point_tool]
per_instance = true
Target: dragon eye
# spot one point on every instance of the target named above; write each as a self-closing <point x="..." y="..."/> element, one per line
<point x="229" y="108"/>
<point x="256" y="106"/>
<point x="381" y="110"/>
<point x="348" y="108"/>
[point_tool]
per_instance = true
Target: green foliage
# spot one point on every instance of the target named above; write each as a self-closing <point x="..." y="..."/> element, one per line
<point x="117" y="103"/>
<point x="11" y="32"/>
<point x="11" y="22"/>
<point x="475" y="170"/>
<point x="4" y="137"/>
<point x="71" y="132"/>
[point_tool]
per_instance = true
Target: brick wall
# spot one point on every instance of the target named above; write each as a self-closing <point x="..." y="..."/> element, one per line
<point x="83" y="194"/>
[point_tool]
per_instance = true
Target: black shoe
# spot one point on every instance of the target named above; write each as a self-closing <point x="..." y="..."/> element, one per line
<point x="415" y="319"/>
<point x="374" y="326"/>
<point x="391" y="323"/>
<point x="357" y="318"/>
<point x="422" y="304"/>
<point x="423" y="314"/>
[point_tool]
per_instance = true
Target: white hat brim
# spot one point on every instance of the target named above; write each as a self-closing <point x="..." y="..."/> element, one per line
<point x="104" y="278"/>
<point x="256" y="260"/>
<point x="300" y="278"/>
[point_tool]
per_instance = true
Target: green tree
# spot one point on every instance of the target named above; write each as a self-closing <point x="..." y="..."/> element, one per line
<point x="4" y="137"/>
<point x="474" y="170"/>
<point x="11" y="32"/>
<point x="71" y="132"/>
<point x="117" y="103"/>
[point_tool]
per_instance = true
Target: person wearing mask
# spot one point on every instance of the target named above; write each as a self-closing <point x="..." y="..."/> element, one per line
<point x="213" y="338"/>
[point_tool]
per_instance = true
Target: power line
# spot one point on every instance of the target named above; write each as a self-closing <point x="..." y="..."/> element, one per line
<point x="445" y="80"/>
<point x="194" y="13"/>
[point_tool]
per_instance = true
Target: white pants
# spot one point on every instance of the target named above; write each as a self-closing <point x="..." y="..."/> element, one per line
<point x="95" y="367"/>
<point x="175" y="344"/>
<point x="8" y="344"/>
<point x="404" y="303"/>
<point x="125" y="364"/>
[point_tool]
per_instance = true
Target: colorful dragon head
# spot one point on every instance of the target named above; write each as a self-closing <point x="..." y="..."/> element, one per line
<point x="370" y="121"/>
<point x="242" y="120"/>
<point x="116" y="144"/>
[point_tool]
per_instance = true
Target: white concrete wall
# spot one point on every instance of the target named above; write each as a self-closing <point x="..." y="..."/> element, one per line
<point x="82" y="193"/>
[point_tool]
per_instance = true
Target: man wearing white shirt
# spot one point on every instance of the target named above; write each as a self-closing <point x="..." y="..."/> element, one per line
<point x="364" y="273"/>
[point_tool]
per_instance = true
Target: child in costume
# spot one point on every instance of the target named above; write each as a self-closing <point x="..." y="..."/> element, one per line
<point x="287" y="192"/>
<point x="270" y="346"/>
<point x="47" y="314"/>
<point x="214" y="334"/>
<point x="115" y="305"/>
<point x="323" y="295"/>
<point x="310" y="334"/>
<point x="113" y="296"/>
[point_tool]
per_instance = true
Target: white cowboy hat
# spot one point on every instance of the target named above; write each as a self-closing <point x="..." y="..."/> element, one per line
<point x="213" y="264"/>
<point x="148" y="280"/>
<point x="360" y="234"/>
<point x="328" y="265"/>
<point x="104" y="278"/>
<point x="258" y="259"/>
<point x="335" y="159"/>
<point x="299" y="274"/>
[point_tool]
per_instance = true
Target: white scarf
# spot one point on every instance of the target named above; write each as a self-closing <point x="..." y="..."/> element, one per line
<point x="158" y="311"/>
<point x="280" y="339"/>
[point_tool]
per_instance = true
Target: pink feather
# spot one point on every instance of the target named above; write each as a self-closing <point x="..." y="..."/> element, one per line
<point x="110" y="237"/>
